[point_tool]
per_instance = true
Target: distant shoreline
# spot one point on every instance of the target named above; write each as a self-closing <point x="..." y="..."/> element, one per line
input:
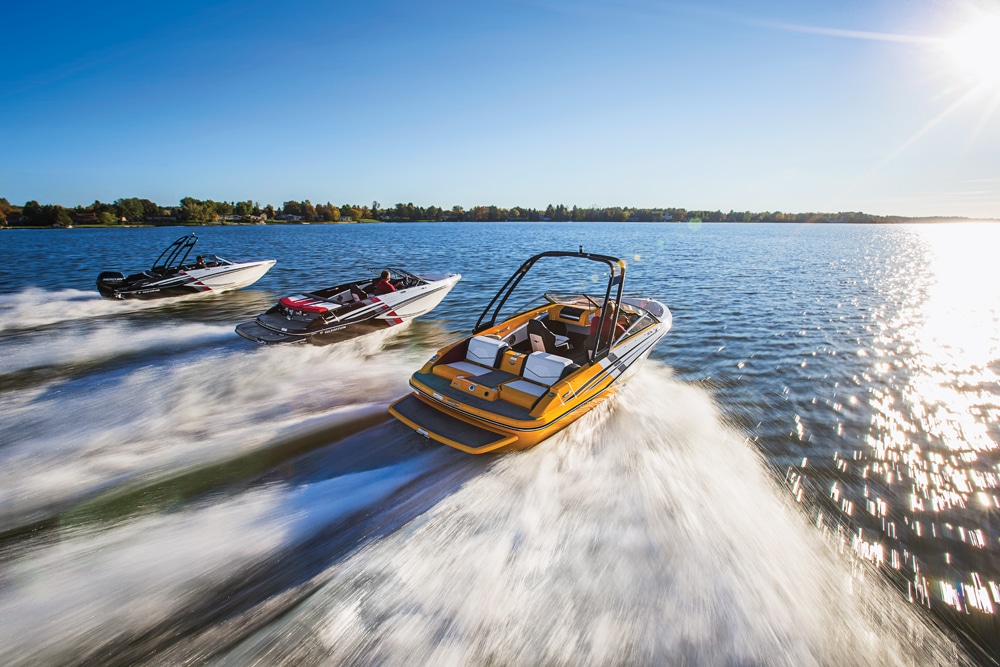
<point x="191" y="211"/>
<point x="277" y="223"/>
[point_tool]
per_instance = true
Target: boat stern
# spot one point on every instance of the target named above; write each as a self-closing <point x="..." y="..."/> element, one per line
<point x="436" y="424"/>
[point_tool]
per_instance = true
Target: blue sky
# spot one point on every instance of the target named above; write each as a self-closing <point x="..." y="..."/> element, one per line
<point x="790" y="106"/>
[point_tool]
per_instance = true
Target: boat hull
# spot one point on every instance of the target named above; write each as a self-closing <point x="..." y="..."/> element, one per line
<point x="237" y="276"/>
<point x="462" y="412"/>
<point x="322" y="321"/>
<point x="183" y="283"/>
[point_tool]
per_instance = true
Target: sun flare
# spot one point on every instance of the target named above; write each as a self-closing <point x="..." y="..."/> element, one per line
<point x="975" y="50"/>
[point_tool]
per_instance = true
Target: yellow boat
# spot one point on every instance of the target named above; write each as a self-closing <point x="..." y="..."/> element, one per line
<point x="520" y="378"/>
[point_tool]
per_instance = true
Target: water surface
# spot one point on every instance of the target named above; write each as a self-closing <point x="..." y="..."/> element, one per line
<point x="805" y="471"/>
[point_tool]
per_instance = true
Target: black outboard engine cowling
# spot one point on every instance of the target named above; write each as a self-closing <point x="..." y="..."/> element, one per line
<point x="108" y="282"/>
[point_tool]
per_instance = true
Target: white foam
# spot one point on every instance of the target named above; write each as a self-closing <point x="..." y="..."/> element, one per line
<point x="650" y="535"/>
<point x="319" y="504"/>
<point x="102" y="342"/>
<point x="60" y="603"/>
<point x="34" y="307"/>
<point x="92" y="589"/>
<point x="60" y="443"/>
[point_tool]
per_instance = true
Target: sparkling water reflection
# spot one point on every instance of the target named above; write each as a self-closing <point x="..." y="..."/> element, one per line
<point x="860" y="362"/>
<point x="920" y="495"/>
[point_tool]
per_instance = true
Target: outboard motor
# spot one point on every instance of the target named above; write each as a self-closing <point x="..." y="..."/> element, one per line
<point x="108" y="282"/>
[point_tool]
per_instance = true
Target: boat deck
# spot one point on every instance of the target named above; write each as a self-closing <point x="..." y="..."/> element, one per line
<point x="443" y="386"/>
<point x="437" y="424"/>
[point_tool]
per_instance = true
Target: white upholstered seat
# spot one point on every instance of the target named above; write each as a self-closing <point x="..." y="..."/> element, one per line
<point x="544" y="368"/>
<point x="467" y="369"/>
<point x="485" y="350"/>
<point x="526" y="387"/>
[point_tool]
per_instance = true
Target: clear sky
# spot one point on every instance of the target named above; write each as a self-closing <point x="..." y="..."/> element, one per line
<point x="882" y="106"/>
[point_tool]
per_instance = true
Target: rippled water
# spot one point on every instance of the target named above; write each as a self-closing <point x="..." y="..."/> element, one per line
<point x="804" y="473"/>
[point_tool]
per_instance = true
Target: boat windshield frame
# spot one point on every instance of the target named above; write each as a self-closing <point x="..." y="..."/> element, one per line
<point x="602" y="341"/>
<point x="402" y="273"/>
<point x="176" y="254"/>
<point x="220" y="261"/>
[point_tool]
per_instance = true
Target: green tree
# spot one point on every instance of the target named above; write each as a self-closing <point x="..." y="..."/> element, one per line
<point x="99" y="207"/>
<point x="130" y="209"/>
<point x="6" y="210"/>
<point x="193" y="210"/>
<point x="328" y="212"/>
<point x="32" y="209"/>
<point x="62" y="216"/>
<point x="49" y="215"/>
<point x="149" y="208"/>
<point x="222" y="209"/>
<point x="308" y="210"/>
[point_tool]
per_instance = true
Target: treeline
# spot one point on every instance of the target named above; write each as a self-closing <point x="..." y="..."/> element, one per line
<point x="134" y="211"/>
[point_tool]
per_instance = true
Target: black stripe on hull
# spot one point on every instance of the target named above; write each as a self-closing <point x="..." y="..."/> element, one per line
<point x="617" y="367"/>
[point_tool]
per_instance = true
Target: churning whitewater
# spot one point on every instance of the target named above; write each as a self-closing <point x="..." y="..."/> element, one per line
<point x="172" y="494"/>
<point x="222" y="525"/>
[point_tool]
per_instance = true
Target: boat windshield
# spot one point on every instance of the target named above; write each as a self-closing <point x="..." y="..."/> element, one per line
<point x="597" y="274"/>
<point x="585" y="300"/>
<point x="402" y="276"/>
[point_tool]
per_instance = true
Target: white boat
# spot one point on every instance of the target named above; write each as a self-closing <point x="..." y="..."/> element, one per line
<point x="172" y="274"/>
<point x="350" y="309"/>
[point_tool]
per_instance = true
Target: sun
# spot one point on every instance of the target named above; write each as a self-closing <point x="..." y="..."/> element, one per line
<point x="974" y="50"/>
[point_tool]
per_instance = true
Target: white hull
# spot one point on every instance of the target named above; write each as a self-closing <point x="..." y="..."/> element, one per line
<point x="173" y="275"/>
<point x="339" y="313"/>
<point x="234" y="276"/>
<point x="412" y="302"/>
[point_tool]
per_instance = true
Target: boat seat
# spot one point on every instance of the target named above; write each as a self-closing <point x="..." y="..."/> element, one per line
<point x="545" y="368"/>
<point x="304" y="303"/>
<point x="482" y="356"/>
<point x="517" y="336"/>
<point x="543" y="340"/>
<point x="344" y="297"/>
<point x="460" y="369"/>
<point x="526" y="387"/>
<point x="485" y="350"/>
<point x="522" y="393"/>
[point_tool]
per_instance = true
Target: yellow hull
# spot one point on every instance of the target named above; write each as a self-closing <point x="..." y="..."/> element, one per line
<point x="491" y="393"/>
<point x="511" y="434"/>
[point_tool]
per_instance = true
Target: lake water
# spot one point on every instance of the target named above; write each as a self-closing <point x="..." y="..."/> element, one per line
<point x="804" y="472"/>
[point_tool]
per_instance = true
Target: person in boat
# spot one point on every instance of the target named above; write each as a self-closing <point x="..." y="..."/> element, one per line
<point x="604" y="324"/>
<point x="384" y="284"/>
<point x="199" y="263"/>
